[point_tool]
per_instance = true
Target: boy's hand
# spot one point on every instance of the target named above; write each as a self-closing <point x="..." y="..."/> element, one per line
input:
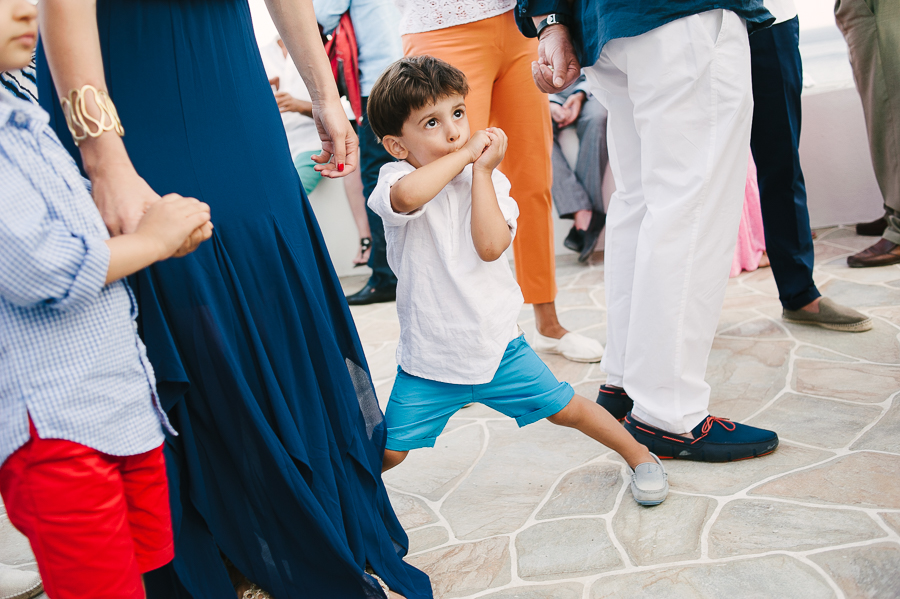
<point x="476" y="145"/>
<point x="494" y="153"/>
<point x="176" y="224"/>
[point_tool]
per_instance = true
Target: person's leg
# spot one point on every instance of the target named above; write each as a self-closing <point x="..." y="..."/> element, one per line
<point x="627" y="209"/>
<point x="353" y="188"/>
<point x="382" y="285"/>
<point x="694" y="153"/>
<point x="775" y="142"/>
<point x="586" y="416"/>
<point x="67" y="499"/>
<point x="593" y="155"/>
<point x="309" y="178"/>
<point x="569" y="194"/>
<point x="872" y="31"/>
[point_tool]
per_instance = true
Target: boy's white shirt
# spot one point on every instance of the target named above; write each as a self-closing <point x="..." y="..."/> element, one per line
<point x="457" y="312"/>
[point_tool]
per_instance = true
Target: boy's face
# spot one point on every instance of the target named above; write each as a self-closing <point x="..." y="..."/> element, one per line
<point x="18" y="33"/>
<point x="431" y="132"/>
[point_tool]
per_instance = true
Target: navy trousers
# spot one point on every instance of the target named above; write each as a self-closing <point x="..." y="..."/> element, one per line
<point x="774" y="141"/>
<point x="372" y="156"/>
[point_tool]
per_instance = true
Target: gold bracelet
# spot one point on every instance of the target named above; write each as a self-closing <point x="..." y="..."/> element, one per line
<point x="80" y="122"/>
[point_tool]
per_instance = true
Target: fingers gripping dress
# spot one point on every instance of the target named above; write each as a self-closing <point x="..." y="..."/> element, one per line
<point x="278" y="461"/>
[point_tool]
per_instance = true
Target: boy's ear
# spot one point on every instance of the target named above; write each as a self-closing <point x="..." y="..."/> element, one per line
<point x="394" y="146"/>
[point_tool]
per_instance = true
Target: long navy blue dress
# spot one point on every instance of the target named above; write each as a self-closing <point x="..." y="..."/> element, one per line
<point x="278" y="461"/>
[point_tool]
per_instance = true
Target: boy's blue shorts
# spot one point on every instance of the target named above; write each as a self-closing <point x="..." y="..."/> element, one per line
<point x="523" y="388"/>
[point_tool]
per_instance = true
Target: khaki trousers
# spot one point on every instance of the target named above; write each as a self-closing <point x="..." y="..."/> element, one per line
<point x="872" y="31"/>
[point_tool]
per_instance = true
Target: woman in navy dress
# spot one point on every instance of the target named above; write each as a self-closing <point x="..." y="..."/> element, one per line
<point x="277" y="467"/>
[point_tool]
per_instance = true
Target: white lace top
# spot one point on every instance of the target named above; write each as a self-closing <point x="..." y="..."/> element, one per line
<point x="427" y="15"/>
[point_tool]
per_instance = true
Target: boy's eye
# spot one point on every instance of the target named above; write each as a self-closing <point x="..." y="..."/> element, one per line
<point x="457" y="114"/>
<point x="430" y="124"/>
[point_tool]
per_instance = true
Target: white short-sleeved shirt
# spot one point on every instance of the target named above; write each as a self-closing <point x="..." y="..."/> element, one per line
<point x="782" y="10"/>
<point x="417" y="16"/>
<point x="457" y="312"/>
<point x="301" y="131"/>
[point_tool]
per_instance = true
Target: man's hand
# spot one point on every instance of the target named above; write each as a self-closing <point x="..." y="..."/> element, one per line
<point x="494" y="153"/>
<point x="557" y="66"/>
<point x="572" y="106"/>
<point x="288" y="103"/>
<point x="558" y="113"/>
<point x="477" y="145"/>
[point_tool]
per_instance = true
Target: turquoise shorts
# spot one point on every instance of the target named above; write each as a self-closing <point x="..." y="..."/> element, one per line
<point x="522" y="388"/>
<point x="306" y="168"/>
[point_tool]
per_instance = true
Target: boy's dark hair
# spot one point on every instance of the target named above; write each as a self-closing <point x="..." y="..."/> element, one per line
<point x="408" y="84"/>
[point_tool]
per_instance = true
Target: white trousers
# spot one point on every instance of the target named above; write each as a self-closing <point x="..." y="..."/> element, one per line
<point x="680" y="106"/>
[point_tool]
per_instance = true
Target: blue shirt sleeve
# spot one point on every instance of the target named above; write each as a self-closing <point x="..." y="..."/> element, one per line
<point x="328" y="13"/>
<point x="44" y="262"/>
<point x="526" y="9"/>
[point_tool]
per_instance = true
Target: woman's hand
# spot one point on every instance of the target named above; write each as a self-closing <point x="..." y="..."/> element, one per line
<point x="340" y="146"/>
<point x="122" y="197"/>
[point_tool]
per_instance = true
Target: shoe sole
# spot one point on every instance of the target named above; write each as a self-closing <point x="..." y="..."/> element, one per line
<point x="559" y="353"/>
<point x="854" y="327"/>
<point x="649" y="499"/>
<point x="667" y="451"/>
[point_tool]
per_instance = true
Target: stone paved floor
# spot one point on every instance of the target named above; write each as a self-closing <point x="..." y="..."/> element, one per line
<point x="497" y="512"/>
<point x="541" y="512"/>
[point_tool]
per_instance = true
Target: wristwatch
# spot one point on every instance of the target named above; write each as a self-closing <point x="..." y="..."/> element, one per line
<point x="553" y="19"/>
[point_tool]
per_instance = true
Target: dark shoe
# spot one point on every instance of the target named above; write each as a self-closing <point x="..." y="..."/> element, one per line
<point x="881" y="254"/>
<point x="598" y="220"/>
<point x="873" y="229"/>
<point x="832" y="316"/>
<point x="715" y="440"/>
<point x="574" y="240"/>
<point x="615" y="400"/>
<point x="372" y="295"/>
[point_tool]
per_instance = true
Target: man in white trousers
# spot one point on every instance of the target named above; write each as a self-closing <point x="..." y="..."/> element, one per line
<point x="675" y="78"/>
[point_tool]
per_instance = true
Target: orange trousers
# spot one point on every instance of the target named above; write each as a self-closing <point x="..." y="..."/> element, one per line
<point x="496" y="59"/>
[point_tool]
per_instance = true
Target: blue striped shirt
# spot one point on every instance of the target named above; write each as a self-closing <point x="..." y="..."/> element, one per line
<point x="70" y="355"/>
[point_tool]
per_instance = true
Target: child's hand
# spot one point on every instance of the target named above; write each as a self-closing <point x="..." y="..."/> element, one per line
<point x="494" y="153"/>
<point x="176" y="224"/>
<point x="477" y="144"/>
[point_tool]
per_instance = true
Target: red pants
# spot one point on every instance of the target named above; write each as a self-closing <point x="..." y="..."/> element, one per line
<point x="96" y="522"/>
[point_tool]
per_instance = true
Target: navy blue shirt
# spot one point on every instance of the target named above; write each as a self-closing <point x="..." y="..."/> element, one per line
<point x="595" y="22"/>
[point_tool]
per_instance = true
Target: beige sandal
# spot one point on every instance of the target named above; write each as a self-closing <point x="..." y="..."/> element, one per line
<point x="254" y="592"/>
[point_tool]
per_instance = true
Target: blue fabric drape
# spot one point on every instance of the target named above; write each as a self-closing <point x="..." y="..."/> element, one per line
<point x="278" y="461"/>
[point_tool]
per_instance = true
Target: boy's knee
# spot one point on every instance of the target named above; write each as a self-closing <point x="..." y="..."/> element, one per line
<point x="565" y="417"/>
<point x="392" y="458"/>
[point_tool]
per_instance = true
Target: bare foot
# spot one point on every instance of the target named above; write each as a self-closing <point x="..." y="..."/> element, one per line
<point x="764" y="260"/>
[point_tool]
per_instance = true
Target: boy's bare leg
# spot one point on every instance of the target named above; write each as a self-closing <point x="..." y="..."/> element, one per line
<point x="595" y="422"/>
<point x="393" y="458"/>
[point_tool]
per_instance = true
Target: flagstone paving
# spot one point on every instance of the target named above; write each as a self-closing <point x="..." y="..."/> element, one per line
<point x="498" y="512"/>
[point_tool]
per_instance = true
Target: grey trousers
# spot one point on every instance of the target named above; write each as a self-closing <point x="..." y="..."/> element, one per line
<point x="581" y="189"/>
<point x="872" y="31"/>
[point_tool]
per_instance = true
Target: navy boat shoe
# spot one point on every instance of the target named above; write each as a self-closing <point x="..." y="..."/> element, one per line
<point x="715" y="440"/>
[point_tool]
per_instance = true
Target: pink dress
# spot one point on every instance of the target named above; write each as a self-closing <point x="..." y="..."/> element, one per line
<point x="751" y="241"/>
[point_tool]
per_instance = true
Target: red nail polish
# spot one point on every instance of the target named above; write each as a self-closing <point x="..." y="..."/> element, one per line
<point x="340" y="167"/>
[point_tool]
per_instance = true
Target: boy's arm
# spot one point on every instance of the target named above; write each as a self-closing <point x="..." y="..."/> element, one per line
<point x="422" y="185"/>
<point x="159" y="235"/>
<point x="490" y="231"/>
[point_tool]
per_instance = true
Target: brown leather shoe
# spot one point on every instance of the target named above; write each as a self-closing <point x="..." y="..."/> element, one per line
<point x="881" y="254"/>
<point x="873" y="229"/>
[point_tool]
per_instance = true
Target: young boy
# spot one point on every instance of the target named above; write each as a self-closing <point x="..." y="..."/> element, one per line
<point x="448" y="219"/>
<point x="81" y="465"/>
